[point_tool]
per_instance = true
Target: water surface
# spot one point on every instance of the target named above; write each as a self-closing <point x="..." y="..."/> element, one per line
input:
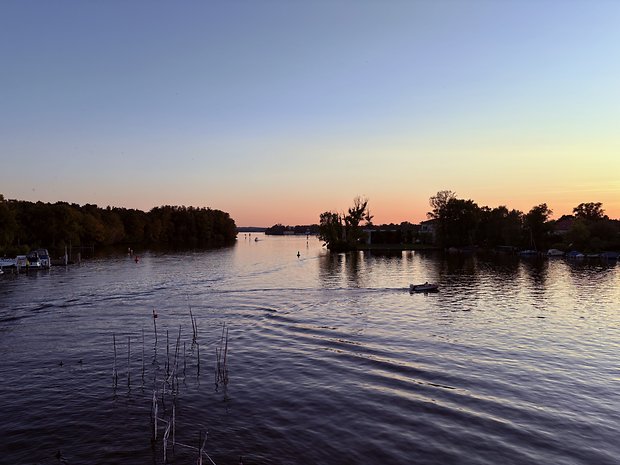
<point x="330" y="359"/>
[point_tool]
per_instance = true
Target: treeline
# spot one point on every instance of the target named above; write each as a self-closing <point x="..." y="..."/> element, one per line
<point x="26" y="225"/>
<point x="280" y="229"/>
<point x="462" y="223"/>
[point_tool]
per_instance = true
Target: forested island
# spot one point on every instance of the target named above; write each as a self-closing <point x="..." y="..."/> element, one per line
<point x="28" y="225"/>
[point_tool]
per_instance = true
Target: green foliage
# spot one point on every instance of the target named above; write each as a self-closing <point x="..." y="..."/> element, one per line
<point x="344" y="232"/>
<point x="26" y="224"/>
<point x="457" y="219"/>
<point x="536" y="227"/>
<point x="439" y="202"/>
<point x="500" y="227"/>
<point x="331" y="229"/>
<point x="590" y="211"/>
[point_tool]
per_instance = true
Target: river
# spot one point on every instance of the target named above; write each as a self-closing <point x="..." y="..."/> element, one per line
<point x="328" y="359"/>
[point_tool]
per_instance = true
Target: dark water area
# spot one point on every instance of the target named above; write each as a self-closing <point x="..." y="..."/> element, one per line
<point x="330" y="359"/>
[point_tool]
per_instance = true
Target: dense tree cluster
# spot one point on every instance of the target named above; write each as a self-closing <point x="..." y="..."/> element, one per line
<point x="25" y="225"/>
<point x="280" y="230"/>
<point x="343" y="231"/>
<point x="461" y="223"/>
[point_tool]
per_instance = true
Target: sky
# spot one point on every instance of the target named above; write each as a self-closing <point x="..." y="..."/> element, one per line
<point x="276" y="111"/>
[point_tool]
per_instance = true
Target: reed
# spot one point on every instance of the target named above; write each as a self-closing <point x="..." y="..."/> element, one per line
<point x="166" y="387"/>
<point x="176" y="361"/>
<point x="174" y="426"/>
<point x="129" y="361"/>
<point x="165" y="440"/>
<point x="221" y="352"/>
<point x="194" y="325"/>
<point x="167" y="354"/>
<point x="155" y="325"/>
<point x="114" y="372"/>
<point x="142" y="356"/>
<point x="154" y="412"/>
<point x="202" y="451"/>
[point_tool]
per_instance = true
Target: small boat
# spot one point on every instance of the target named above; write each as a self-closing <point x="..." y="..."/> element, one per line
<point x="575" y="255"/>
<point x="44" y="258"/>
<point x="610" y="255"/>
<point x="426" y="287"/>
<point x="8" y="263"/>
<point x="33" y="261"/>
<point x="554" y="253"/>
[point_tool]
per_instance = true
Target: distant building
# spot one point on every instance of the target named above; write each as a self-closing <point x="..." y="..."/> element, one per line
<point x="563" y="225"/>
<point x="383" y="236"/>
<point x="428" y="231"/>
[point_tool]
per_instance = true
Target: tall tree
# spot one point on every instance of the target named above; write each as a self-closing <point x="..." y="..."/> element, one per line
<point x="500" y="226"/>
<point x="439" y="202"/>
<point x="8" y="224"/>
<point x="536" y="226"/>
<point x="458" y="222"/>
<point x="331" y="228"/>
<point x="457" y="219"/>
<point x="590" y="211"/>
<point x="343" y="232"/>
<point x="356" y="214"/>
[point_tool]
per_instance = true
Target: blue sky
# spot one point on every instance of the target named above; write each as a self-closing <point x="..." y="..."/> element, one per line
<point x="276" y="111"/>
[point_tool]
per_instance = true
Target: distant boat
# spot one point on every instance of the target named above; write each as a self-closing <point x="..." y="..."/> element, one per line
<point x="574" y="254"/>
<point x="33" y="261"/>
<point x="44" y="258"/>
<point x="8" y="263"/>
<point x="426" y="287"/>
<point x="256" y="239"/>
<point x="610" y="255"/>
<point x="554" y="253"/>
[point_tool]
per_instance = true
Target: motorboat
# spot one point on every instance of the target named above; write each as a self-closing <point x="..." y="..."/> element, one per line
<point x="44" y="258"/>
<point x="575" y="255"/>
<point x="426" y="287"/>
<point x="555" y="253"/>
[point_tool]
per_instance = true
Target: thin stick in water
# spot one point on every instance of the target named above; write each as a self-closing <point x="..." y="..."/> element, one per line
<point x="114" y="372"/>
<point x="155" y="325"/>
<point x="167" y="355"/>
<point x="143" y="356"/>
<point x="128" y="361"/>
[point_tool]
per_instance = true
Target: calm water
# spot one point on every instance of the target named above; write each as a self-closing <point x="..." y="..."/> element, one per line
<point x="330" y="359"/>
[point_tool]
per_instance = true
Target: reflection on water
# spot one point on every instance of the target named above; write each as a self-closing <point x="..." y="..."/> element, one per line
<point x="331" y="359"/>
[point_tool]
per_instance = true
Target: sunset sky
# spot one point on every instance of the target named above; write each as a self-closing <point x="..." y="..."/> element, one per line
<point x="276" y="111"/>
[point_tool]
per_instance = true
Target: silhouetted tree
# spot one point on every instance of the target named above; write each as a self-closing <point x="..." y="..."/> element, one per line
<point x="457" y="219"/>
<point x="536" y="226"/>
<point x="8" y="224"/>
<point x="30" y="225"/>
<point x="591" y="211"/>
<point x="343" y="232"/>
<point x="331" y="229"/>
<point x="439" y="202"/>
<point x="500" y="226"/>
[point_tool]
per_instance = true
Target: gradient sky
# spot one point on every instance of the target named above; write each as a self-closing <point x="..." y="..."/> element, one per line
<point x="276" y="111"/>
